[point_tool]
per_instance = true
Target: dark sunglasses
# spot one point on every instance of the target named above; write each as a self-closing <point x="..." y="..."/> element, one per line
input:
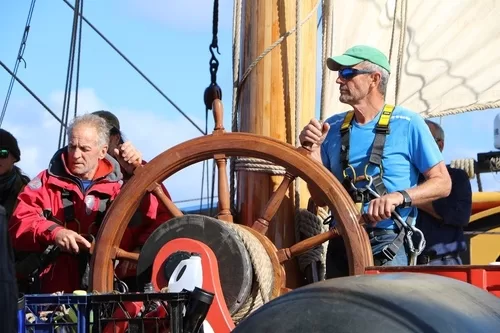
<point x="349" y="73"/>
<point x="4" y="153"/>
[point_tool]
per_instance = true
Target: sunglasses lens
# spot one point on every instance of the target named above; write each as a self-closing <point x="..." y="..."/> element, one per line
<point x="4" y="153"/>
<point x="347" y="73"/>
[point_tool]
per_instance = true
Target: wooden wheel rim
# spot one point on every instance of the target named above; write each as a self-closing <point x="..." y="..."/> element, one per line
<point x="202" y="148"/>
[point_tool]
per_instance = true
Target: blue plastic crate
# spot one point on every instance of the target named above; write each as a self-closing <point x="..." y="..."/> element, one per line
<point x="44" y="313"/>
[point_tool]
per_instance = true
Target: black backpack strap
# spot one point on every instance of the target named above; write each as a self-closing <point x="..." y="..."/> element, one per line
<point x="68" y="205"/>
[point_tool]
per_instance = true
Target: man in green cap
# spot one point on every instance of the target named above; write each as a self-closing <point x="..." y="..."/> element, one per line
<point x="377" y="151"/>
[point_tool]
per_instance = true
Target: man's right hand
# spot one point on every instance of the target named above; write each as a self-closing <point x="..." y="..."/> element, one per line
<point x="70" y="241"/>
<point x="314" y="133"/>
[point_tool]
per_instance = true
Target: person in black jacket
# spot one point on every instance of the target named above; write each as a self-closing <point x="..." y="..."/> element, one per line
<point x="12" y="180"/>
<point x="8" y="283"/>
<point x="442" y="221"/>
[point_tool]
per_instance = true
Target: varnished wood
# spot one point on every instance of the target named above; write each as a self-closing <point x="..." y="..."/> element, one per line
<point x="224" y="206"/>
<point x="230" y="144"/>
<point x="267" y="105"/>
<point x="121" y="254"/>
<point x="172" y="208"/>
<point x="262" y="223"/>
<point x="306" y="244"/>
<point x="218" y="111"/>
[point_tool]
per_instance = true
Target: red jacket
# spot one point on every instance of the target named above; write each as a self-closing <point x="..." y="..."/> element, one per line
<point x="32" y="228"/>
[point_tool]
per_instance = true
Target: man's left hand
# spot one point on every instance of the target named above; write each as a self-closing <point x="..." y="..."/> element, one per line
<point x="381" y="208"/>
<point x="128" y="157"/>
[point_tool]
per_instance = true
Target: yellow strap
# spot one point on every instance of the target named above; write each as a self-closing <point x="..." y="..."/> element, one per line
<point x="347" y="120"/>
<point x="386" y="116"/>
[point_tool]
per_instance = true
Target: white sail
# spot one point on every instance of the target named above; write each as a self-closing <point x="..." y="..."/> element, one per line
<point x="445" y="61"/>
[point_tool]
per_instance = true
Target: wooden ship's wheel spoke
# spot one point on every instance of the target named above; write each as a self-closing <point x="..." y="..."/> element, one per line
<point x="262" y="223"/>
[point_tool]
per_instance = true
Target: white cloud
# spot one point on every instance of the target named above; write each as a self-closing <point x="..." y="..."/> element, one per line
<point x="185" y="14"/>
<point x="152" y="133"/>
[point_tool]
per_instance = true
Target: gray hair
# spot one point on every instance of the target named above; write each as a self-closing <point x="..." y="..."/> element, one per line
<point x="101" y="126"/>
<point x="384" y="75"/>
<point x="437" y="127"/>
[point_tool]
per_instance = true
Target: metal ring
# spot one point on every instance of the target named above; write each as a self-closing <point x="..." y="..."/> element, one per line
<point x="344" y="173"/>
<point x="381" y="169"/>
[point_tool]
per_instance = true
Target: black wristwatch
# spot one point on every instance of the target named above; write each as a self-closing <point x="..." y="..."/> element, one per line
<point x="406" y="200"/>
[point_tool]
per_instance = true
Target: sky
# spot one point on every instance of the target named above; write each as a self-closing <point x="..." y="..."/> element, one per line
<point x="168" y="41"/>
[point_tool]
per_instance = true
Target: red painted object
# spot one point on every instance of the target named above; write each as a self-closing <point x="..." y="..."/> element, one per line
<point x="486" y="277"/>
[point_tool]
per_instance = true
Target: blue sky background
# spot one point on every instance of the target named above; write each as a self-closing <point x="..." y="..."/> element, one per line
<point x="168" y="41"/>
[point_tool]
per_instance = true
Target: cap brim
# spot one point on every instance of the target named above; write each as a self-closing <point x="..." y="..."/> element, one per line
<point x="334" y="63"/>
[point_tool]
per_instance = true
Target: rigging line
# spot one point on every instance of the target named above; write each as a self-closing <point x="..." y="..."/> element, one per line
<point x="77" y="84"/>
<point x="31" y="92"/>
<point x="69" y="74"/>
<point x="139" y="71"/>
<point x="20" y="58"/>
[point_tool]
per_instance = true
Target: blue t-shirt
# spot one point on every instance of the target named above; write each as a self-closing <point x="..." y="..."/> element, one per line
<point x="409" y="150"/>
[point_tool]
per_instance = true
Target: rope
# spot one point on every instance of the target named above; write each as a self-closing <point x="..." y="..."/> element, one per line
<point x="69" y="73"/>
<point x="311" y="225"/>
<point x="263" y="273"/>
<point x="327" y="49"/>
<point x="31" y="92"/>
<point x="258" y="165"/>
<point x="468" y="108"/>
<point x="466" y="164"/>
<point x="238" y="83"/>
<point x="298" y="101"/>
<point x="402" y="35"/>
<point x="19" y="58"/>
<point x="137" y="70"/>
<point x="236" y="79"/>
<point x="271" y="47"/>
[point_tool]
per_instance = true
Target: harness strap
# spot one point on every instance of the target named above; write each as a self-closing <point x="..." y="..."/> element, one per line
<point x="69" y="207"/>
<point x="344" y="139"/>
<point x="376" y="155"/>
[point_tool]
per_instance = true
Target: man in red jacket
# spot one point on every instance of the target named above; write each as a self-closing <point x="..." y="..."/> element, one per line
<point x="69" y="200"/>
<point x="119" y="146"/>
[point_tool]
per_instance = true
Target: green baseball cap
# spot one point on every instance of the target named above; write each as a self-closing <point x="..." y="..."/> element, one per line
<point x="357" y="54"/>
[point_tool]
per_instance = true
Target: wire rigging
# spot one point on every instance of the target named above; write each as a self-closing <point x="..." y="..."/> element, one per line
<point x="212" y="93"/>
<point x="31" y="92"/>
<point x="19" y="58"/>
<point x="137" y="70"/>
<point x="76" y="31"/>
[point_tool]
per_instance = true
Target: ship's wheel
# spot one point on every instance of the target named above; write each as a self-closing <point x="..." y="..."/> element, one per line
<point x="220" y="146"/>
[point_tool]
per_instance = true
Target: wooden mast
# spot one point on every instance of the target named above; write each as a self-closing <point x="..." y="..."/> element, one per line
<point x="267" y="106"/>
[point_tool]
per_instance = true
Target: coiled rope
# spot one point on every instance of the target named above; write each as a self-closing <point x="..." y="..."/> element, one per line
<point x="263" y="280"/>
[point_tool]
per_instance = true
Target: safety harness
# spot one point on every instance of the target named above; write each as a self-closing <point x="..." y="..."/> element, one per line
<point x="33" y="264"/>
<point x="375" y="187"/>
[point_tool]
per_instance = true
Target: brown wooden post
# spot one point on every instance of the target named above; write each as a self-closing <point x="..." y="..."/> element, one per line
<point x="267" y="105"/>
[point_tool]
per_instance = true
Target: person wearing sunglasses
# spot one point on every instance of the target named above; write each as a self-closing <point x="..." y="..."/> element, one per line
<point x="12" y="179"/>
<point x="379" y="147"/>
<point x="64" y="206"/>
<point x="442" y="221"/>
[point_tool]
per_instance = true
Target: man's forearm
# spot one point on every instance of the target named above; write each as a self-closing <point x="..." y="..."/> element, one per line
<point x="435" y="187"/>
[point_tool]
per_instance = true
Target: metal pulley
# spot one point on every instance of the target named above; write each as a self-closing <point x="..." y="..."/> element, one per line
<point x="212" y="93"/>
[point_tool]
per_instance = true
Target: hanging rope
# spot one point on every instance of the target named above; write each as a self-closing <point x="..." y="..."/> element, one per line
<point x="19" y="58"/>
<point x="327" y="50"/>
<point x="69" y="74"/>
<point x="234" y="109"/>
<point x="402" y="35"/>
<point x="212" y="93"/>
